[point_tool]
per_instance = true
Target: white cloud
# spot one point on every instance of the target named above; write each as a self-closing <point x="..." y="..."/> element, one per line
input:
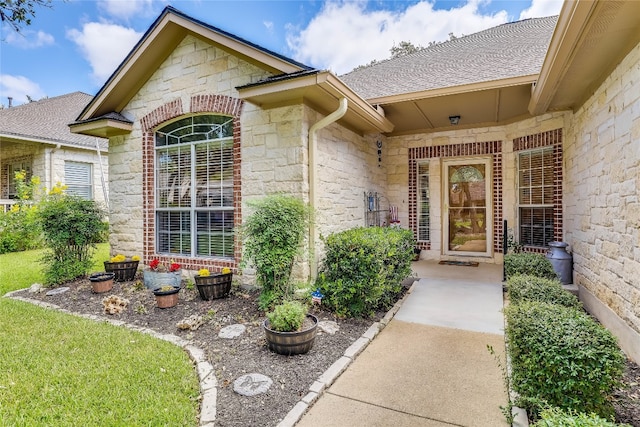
<point x="18" y="88"/>
<point x="344" y="35"/>
<point x="268" y="25"/>
<point x="126" y="9"/>
<point x="28" y="39"/>
<point x="104" y="45"/>
<point x="540" y="8"/>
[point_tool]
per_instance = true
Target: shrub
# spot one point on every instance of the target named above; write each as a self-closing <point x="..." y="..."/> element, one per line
<point x="19" y="227"/>
<point x="71" y="227"/>
<point x="528" y="264"/>
<point x="531" y="288"/>
<point x="561" y="357"/>
<point x="287" y="317"/>
<point x="555" y="417"/>
<point x="363" y="269"/>
<point x="273" y="237"/>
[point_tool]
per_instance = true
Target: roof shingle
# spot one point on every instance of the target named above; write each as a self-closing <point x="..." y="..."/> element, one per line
<point x="510" y="50"/>
<point x="48" y="119"/>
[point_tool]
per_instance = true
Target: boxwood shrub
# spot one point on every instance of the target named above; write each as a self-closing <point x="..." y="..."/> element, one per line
<point x="363" y="269"/>
<point x="561" y="357"/>
<point x="529" y="264"/>
<point x="532" y="288"/>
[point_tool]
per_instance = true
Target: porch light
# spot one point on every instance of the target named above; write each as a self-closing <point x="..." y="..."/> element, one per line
<point x="454" y="120"/>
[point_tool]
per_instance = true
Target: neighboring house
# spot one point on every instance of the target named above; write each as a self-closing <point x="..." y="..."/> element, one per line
<point x="35" y="137"/>
<point x="535" y="122"/>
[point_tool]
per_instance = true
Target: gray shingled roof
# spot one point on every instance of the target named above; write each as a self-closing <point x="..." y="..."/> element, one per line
<point x="509" y="50"/>
<point x="48" y="120"/>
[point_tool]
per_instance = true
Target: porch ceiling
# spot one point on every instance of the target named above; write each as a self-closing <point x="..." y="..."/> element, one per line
<point x="485" y="104"/>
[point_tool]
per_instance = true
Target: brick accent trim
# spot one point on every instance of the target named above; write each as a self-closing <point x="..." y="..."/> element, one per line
<point x="213" y="104"/>
<point x="541" y="140"/>
<point x="493" y="148"/>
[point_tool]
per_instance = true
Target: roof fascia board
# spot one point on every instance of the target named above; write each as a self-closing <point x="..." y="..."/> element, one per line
<point x="456" y="90"/>
<point x="184" y="25"/>
<point x="331" y="85"/>
<point x="24" y="138"/>
<point x="567" y="37"/>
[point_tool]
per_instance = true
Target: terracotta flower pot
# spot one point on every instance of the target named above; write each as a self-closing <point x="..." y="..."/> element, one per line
<point x="101" y="282"/>
<point x="166" y="296"/>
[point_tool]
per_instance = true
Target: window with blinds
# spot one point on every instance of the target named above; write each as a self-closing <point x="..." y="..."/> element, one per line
<point x="78" y="179"/>
<point x="535" y="197"/>
<point x="423" y="202"/>
<point x="194" y="187"/>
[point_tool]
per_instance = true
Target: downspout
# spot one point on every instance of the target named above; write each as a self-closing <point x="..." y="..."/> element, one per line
<point x="313" y="143"/>
<point x="104" y="186"/>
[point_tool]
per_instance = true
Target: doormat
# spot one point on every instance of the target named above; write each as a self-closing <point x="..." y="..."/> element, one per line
<point x="461" y="263"/>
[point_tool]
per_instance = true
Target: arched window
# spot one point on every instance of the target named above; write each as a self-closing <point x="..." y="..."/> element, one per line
<point x="194" y="187"/>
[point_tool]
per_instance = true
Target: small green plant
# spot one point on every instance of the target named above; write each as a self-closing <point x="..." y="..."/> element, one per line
<point x="561" y="357"/>
<point x="364" y="268"/>
<point x="273" y="237"/>
<point x="190" y="285"/>
<point x="529" y="264"/>
<point x="531" y="288"/>
<point x="507" y="410"/>
<point x="141" y="309"/>
<point x="138" y="285"/>
<point x="556" y="417"/>
<point x="287" y="317"/>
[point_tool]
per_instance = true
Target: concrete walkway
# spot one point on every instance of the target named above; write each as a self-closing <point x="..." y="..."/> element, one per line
<point x="430" y="366"/>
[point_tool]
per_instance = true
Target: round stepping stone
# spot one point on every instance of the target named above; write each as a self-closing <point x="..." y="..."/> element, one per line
<point x="56" y="291"/>
<point x="328" y="326"/>
<point x="232" y="331"/>
<point x="252" y="384"/>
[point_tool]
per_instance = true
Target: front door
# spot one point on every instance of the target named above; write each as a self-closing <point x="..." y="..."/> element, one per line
<point x="467" y="207"/>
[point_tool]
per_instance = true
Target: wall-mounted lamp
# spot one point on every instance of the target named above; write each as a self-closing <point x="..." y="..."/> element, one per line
<point x="454" y="120"/>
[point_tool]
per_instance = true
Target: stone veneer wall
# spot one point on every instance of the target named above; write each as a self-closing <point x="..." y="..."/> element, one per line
<point x="194" y="69"/>
<point x="407" y="150"/>
<point x="602" y="200"/>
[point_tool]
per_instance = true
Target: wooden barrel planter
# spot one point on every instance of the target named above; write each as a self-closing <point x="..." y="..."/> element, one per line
<point x="214" y="286"/>
<point x="166" y="296"/>
<point x="290" y="343"/>
<point x="101" y="282"/>
<point x="124" y="271"/>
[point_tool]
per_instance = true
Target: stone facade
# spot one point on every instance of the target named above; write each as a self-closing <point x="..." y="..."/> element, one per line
<point x="602" y="200"/>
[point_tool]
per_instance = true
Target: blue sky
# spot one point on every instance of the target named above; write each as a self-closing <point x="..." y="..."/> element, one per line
<point x="76" y="44"/>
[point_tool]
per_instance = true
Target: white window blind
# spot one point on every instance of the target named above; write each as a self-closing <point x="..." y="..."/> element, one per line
<point x="423" y="202"/>
<point x="77" y="178"/>
<point x="535" y="197"/>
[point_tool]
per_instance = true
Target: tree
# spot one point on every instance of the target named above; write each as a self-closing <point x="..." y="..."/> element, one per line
<point x="404" y="48"/>
<point x="19" y="12"/>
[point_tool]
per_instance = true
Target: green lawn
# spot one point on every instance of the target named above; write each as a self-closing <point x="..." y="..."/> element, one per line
<point x="61" y="370"/>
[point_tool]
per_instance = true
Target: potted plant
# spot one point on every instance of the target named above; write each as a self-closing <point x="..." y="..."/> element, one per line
<point x="166" y="295"/>
<point x="158" y="274"/>
<point x="289" y="329"/>
<point x="123" y="268"/>
<point x="213" y="286"/>
<point x="101" y="282"/>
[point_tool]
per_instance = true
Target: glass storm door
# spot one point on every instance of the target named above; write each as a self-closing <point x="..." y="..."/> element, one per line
<point x="467" y="207"/>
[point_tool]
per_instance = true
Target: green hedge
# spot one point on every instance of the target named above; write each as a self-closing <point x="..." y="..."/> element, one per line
<point x="532" y="288"/>
<point x="530" y="264"/>
<point x="561" y="357"/>
<point x="555" y="417"/>
<point x="363" y="269"/>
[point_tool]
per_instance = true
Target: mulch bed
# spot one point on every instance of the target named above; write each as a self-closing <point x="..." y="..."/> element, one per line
<point x="231" y="358"/>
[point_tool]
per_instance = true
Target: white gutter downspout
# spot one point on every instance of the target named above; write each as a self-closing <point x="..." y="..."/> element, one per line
<point x="313" y="143"/>
<point x="104" y="184"/>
